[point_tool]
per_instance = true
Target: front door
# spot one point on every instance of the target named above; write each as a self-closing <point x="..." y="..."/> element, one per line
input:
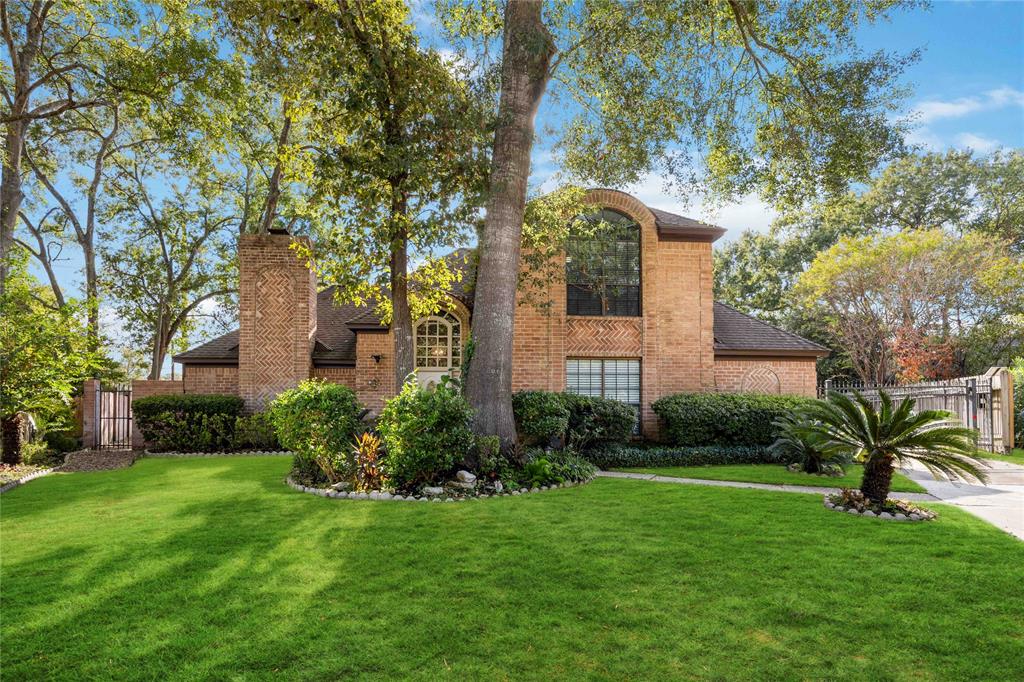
<point x="438" y="348"/>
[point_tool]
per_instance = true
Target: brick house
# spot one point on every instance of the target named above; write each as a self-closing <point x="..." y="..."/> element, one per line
<point x="646" y="327"/>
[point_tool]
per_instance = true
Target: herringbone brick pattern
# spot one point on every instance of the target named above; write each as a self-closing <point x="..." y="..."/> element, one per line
<point x="761" y="380"/>
<point x="275" y="327"/>
<point x="603" y="337"/>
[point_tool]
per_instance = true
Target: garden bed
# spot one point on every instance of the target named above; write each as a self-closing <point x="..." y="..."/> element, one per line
<point x="446" y="493"/>
<point x="853" y="502"/>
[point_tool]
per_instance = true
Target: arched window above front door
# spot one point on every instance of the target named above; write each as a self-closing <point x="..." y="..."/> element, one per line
<point x="438" y="342"/>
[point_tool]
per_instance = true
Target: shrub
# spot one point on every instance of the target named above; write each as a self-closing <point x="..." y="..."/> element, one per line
<point x="188" y="423"/>
<point x="255" y="432"/>
<point x="569" y="466"/>
<point x="620" y="456"/>
<point x="425" y="433"/>
<point x="698" y="419"/>
<point x="538" y="472"/>
<point x="39" y="454"/>
<point x="594" y="421"/>
<point x="367" y="456"/>
<point x="318" y="422"/>
<point x="541" y="416"/>
<point x="61" y="441"/>
<point x="799" y="442"/>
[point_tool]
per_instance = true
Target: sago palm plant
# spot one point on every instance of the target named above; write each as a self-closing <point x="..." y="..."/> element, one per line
<point x="884" y="438"/>
<point x="797" y="439"/>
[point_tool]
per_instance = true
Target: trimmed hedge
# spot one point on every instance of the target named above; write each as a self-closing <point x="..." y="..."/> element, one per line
<point x="188" y="423"/>
<point x="621" y="456"/>
<point x="699" y="419"/>
<point x="581" y="421"/>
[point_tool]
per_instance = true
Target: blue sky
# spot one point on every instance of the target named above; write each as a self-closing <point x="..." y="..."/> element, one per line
<point x="968" y="92"/>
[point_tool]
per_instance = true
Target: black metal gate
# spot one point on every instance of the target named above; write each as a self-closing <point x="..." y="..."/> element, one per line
<point x="113" y="417"/>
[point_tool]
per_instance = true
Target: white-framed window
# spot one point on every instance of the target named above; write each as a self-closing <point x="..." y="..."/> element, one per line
<point x="618" y="379"/>
<point x="438" y="342"/>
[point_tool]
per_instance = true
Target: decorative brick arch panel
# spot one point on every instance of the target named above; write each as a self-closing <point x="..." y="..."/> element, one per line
<point x="761" y="380"/>
<point x="275" y="291"/>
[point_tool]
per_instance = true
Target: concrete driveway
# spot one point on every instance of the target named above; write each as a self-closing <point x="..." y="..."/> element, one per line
<point x="1000" y="502"/>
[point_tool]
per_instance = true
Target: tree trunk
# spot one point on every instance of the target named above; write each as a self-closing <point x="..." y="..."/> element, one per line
<point x="11" y="194"/>
<point x="401" y="317"/>
<point x="877" y="478"/>
<point x="92" y="293"/>
<point x="528" y="50"/>
<point x="10" y="440"/>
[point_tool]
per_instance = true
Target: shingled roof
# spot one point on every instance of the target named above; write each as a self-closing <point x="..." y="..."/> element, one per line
<point x="737" y="333"/>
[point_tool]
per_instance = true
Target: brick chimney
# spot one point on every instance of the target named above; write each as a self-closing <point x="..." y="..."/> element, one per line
<point x="277" y="317"/>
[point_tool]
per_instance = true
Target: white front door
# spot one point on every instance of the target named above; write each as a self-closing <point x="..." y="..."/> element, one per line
<point x="438" y="348"/>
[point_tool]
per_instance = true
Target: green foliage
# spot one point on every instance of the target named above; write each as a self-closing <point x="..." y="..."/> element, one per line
<point x="874" y="289"/>
<point x="623" y="456"/>
<point x="798" y="441"/>
<point x="40" y="454"/>
<point x="892" y="435"/>
<point x="318" y="421"/>
<point x="44" y="350"/>
<point x="538" y="472"/>
<point x="187" y="422"/>
<point x="61" y="441"/>
<point x="698" y="419"/>
<point x="541" y="416"/>
<point x="1018" y="401"/>
<point x="425" y="432"/>
<point x="594" y="420"/>
<point x="255" y="432"/>
<point x="568" y="465"/>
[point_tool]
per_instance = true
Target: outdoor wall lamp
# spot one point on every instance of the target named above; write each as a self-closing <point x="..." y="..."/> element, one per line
<point x="377" y="358"/>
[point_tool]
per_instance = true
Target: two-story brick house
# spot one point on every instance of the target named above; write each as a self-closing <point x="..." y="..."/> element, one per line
<point x="638" y="323"/>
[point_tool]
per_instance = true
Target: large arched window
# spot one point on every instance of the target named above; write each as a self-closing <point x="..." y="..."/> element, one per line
<point x="438" y="342"/>
<point x="602" y="265"/>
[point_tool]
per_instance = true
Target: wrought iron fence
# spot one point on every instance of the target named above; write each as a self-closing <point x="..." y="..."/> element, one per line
<point x="113" y="417"/>
<point x="976" y="401"/>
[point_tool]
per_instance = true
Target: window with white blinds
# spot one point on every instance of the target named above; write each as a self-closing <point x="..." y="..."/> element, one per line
<point x="617" y="379"/>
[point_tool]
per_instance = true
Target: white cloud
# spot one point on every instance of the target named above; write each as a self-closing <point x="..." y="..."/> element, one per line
<point x="980" y="144"/>
<point x="928" y="111"/>
<point x="749" y="213"/>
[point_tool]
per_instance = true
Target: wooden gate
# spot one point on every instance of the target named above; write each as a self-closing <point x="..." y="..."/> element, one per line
<point x="113" y="417"/>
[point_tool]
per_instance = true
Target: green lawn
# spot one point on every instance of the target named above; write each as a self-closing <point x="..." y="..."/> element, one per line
<point x="1016" y="456"/>
<point x="776" y="474"/>
<point x="213" y="569"/>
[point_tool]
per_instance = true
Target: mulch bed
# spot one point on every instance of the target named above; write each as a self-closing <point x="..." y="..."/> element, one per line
<point x="99" y="460"/>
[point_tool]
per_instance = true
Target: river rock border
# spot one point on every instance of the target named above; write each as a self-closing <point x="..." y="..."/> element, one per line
<point x="241" y="453"/>
<point x="25" y="479"/>
<point x="382" y="495"/>
<point x="919" y="515"/>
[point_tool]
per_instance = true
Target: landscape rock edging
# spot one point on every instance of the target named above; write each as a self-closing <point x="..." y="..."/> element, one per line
<point x="381" y="495"/>
<point x="25" y="479"/>
<point x="240" y="453"/>
<point x="923" y="515"/>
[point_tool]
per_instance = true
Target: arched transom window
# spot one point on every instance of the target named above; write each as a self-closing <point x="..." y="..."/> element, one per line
<point x="438" y="342"/>
<point x="602" y="265"/>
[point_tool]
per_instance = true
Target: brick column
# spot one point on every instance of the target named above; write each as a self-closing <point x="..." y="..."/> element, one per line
<point x="277" y="317"/>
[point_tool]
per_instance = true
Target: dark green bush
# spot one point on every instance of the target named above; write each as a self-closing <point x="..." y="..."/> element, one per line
<point x="582" y="421"/>
<point x="620" y="456"/>
<point x="425" y="432"/>
<point x="318" y="421"/>
<point x="569" y="466"/>
<point x="537" y="472"/>
<point x="255" y="432"/>
<point x="698" y="419"/>
<point x="594" y="421"/>
<point x="541" y="416"/>
<point x="61" y="441"/>
<point x="188" y="423"/>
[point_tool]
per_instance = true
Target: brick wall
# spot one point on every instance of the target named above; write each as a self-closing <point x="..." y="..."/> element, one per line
<point x="277" y="317"/>
<point x="797" y="376"/>
<point x="143" y="388"/>
<point x="673" y="338"/>
<point x="346" y="376"/>
<point x="210" y="379"/>
<point x="375" y="381"/>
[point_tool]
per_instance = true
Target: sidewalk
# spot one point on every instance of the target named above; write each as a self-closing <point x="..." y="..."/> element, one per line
<point x="1001" y="502"/>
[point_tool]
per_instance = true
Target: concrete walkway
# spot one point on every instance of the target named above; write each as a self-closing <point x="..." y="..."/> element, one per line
<point x="806" y="489"/>
<point x="1000" y="502"/>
